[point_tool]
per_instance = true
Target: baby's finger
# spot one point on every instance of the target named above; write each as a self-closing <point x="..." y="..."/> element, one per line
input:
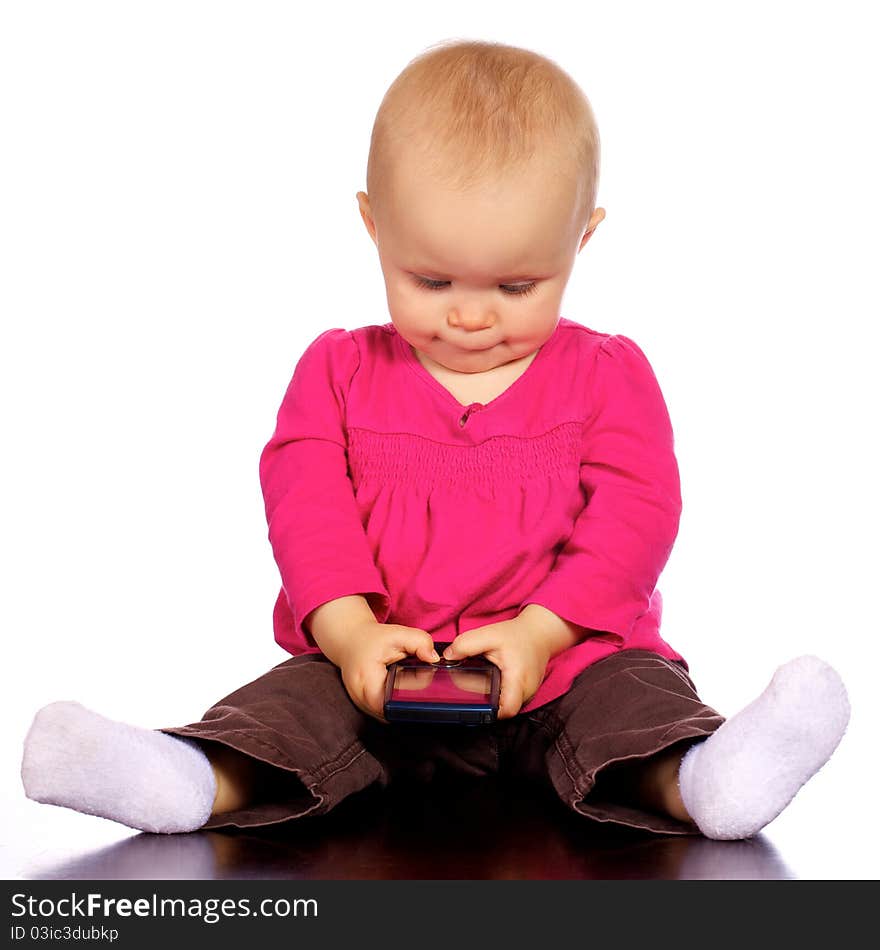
<point x="374" y="693"/>
<point x="418" y="643"/>
<point x="510" y="699"/>
<point x="472" y="643"/>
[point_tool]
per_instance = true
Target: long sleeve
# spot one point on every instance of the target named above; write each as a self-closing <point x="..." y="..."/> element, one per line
<point x="317" y="537"/>
<point x="605" y="574"/>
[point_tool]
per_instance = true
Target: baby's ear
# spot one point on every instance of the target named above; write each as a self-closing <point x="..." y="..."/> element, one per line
<point x="367" y="214"/>
<point x="596" y="219"/>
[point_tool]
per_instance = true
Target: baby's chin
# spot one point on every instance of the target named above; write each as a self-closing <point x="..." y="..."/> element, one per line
<point x="473" y="361"/>
<point x="457" y="359"/>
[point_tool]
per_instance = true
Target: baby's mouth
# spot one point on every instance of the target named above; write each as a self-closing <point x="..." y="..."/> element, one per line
<point x="477" y="349"/>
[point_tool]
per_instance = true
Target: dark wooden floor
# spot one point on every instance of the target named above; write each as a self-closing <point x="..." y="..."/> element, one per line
<point x="483" y="830"/>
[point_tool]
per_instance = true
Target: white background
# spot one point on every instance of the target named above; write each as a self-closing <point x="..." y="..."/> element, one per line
<point x="179" y="221"/>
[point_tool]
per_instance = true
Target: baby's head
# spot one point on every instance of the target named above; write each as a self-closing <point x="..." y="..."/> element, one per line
<point x="481" y="181"/>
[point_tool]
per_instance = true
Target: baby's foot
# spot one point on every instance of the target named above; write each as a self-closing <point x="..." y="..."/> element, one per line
<point x="741" y="777"/>
<point x="142" y="778"/>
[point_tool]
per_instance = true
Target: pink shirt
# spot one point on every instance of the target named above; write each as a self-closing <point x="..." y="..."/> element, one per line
<point x="562" y="491"/>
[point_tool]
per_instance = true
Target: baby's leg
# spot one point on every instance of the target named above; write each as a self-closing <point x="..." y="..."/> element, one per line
<point x="737" y="781"/>
<point x="240" y="779"/>
<point x="302" y="743"/>
<point x="142" y="778"/>
<point x="651" y="783"/>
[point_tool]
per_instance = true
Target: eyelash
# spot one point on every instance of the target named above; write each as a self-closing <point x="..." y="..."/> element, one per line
<point x="521" y="290"/>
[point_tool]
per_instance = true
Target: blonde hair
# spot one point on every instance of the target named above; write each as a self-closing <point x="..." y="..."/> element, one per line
<point x="475" y="109"/>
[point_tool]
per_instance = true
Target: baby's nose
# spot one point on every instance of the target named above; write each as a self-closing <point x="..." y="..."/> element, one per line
<point x="471" y="319"/>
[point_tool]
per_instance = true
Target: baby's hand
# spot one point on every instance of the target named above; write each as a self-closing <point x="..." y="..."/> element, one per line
<point x="517" y="649"/>
<point x="367" y="654"/>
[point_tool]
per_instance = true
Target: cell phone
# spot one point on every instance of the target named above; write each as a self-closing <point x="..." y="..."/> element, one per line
<point x="450" y="691"/>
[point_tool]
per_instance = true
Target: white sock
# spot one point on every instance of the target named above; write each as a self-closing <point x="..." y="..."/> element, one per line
<point x="142" y="778"/>
<point x="741" y="777"/>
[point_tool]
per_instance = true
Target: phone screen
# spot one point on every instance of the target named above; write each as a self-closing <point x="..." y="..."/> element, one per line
<point x="468" y="683"/>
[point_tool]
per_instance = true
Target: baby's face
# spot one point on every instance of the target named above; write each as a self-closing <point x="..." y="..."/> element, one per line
<point x="475" y="279"/>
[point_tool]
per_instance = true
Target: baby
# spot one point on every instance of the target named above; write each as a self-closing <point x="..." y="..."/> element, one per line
<point x="478" y="471"/>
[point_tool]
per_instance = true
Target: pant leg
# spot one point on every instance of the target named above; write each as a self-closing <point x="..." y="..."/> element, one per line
<point x="625" y="707"/>
<point x="300" y="722"/>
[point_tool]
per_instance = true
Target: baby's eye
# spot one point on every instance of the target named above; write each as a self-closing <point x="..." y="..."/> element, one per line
<point x="431" y="284"/>
<point x="513" y="290"/>
<point x="519" y="290"/>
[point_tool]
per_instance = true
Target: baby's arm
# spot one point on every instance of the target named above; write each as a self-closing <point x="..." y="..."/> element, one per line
<point x="604" y="577"/>
<point x="315" y="527"/>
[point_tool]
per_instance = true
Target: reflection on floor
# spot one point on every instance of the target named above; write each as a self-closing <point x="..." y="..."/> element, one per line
<point x="485" y="830"/>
